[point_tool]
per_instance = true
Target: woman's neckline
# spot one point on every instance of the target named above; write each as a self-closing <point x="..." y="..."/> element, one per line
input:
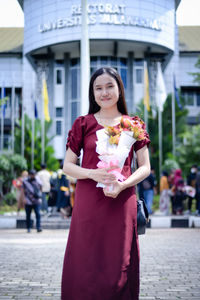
<point x="105" y="125"/>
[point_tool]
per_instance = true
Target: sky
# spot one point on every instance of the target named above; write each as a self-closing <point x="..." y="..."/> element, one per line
<point x="11" y="14"/>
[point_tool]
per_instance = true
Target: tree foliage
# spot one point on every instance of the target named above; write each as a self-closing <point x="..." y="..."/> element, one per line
<point x="50" y="160"/>
<point x="196" y="74"/>
<point x="188" y="153"/>
<point x="11" y="166"/>
<point x="181" y="124"/>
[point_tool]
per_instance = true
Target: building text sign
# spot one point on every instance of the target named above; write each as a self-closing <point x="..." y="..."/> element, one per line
<point x="106" y="14"/>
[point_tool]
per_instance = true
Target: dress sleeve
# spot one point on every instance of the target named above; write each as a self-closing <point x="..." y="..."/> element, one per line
<point x="140" y="144"/>
<point x="76" y="135"/>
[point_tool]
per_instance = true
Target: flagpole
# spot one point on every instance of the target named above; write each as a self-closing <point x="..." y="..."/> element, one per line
<point x="85" y="60"/>
<point x="173" y="124"/>
<point x="2" y="120"/>
<point x="146" y="94"/>
<point x="161" y="96"/>
<point x="160" y="140"/>
<point x="146" y="117"/>
<point x="33" y="134"/>
<point x="23" y="128"/>
<point x="43" y="123"/>
<point x="13" y="116"/>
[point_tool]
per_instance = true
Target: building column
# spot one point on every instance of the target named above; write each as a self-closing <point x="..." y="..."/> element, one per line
<point x="130" y="88"/>
<point x="67" y="108"/>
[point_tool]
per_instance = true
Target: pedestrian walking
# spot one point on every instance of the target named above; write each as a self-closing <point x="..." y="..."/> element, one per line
<point x="45" y="176"/>
<point x="33" y="197"/>
<point x="18" y="184"/>
<point x="102" y="254"/>
<point x="164" y="194"/>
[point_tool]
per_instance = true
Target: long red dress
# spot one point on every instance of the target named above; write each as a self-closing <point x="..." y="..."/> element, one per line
<point x="102" y="255"/>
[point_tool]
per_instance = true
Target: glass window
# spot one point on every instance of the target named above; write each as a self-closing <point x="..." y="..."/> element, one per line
<point x="190" y="99"/>
<point x="74" y="62"/>
<point x="124" y="77"/>
<point x="74" y="111"/>
<point x="139" y="75"/>
<point x="113" y="61"/>
<point x="198" y="99"/>
<point x="59" y="127"/>
<point x="92" y="70"/>
<point x="123" y="62"/>
<point x="59" y="62"/>
<point x="139" y="63"/>
<point x="74" y="85"/>
<point x="104" y="60"/>
<point x="93" y="61"/>
<point x="58" y="76"/>
<point x="59" y="112"/>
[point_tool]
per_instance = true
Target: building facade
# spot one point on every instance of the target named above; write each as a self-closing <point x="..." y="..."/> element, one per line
<point x="122" y="34"/>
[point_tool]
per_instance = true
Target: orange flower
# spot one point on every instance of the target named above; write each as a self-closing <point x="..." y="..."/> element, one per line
<point x="135" y="125"/>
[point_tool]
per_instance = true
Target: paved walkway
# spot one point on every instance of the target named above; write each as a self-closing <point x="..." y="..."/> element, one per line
<point x="31" y="264"/>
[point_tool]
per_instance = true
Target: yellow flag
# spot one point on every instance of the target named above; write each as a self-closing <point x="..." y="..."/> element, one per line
<point x="146" y="88"/>
<point x="46" y="100"/>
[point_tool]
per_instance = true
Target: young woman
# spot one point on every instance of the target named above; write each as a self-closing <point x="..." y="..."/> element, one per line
<point x="102" y="256"/>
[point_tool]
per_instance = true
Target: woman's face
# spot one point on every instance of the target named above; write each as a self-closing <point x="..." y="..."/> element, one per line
<point x="106" y="91"/>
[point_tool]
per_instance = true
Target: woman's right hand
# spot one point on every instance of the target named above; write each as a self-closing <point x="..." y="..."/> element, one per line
<point x="102" y="175"/>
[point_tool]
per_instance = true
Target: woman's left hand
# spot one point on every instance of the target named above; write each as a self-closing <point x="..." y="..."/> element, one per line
<point x="113" y="192"/>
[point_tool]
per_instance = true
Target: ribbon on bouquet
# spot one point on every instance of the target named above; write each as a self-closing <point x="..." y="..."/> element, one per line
<point x="110" y="164"/>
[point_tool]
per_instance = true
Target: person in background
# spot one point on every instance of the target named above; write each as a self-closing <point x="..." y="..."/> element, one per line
<point x="33" y="195"/>
<point x="197" y="186"/>
<point x="191" y="181"/>
<point x="147" y="186"/>
<point x="63" y="195"/>
<point x="164" y="194"/>
<point x="53" y="192"/>
<point x="72" y="187"/>
<point x="17" y="183"/>
<point x="44" y="175"/>
<point x="179" y="197"/>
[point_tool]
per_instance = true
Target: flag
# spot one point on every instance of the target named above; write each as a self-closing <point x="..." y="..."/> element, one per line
<point x="46" y="100"/>
<point x="3" y="102"/>
<point x="35" y="110"/>
<point x="176" y="94"/>
<point x="146" y="88"/>
<point x="161" y="94"/>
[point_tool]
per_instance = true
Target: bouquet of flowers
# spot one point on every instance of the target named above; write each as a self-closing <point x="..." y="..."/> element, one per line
<point x="114" y="144"/>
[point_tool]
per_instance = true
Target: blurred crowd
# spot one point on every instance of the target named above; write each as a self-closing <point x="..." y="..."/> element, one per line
<point x="46" y="193"/>
<point x="49" y="193"/>
<point x="177" y="194"/>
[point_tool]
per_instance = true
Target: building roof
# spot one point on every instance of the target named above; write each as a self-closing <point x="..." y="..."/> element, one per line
<point x="189" y="38"/>
<point x="11" y="39"/>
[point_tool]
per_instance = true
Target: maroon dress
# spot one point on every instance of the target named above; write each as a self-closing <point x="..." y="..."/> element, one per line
<point x="102" y="255"/>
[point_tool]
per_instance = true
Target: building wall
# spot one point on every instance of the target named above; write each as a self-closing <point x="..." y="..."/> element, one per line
<point x="11" y="71"/>
<point x="187" y="65"/>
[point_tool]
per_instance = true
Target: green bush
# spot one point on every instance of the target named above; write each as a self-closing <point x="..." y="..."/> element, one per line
<point x="11" y="166"/>
<point x="10" y="198"/>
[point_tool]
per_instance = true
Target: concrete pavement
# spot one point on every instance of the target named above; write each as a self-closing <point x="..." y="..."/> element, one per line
<point x="31" y="264"/>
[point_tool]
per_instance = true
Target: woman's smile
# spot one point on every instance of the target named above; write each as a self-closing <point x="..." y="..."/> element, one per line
<point x="106" y="91"/>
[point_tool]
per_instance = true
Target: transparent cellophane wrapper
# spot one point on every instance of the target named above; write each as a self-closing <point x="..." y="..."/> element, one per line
<point x="111" y="154"/>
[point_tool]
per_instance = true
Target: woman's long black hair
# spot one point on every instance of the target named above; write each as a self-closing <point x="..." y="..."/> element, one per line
<point x="121" y="104"/>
